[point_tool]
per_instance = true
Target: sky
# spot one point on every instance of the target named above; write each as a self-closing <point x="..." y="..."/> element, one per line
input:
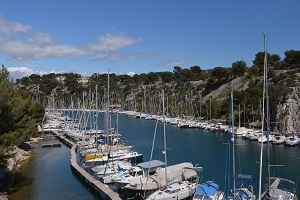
<point x="139" y="36"/>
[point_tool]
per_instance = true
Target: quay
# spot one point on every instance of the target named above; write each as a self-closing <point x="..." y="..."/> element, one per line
<point x="51" y="145"/>
<point x="100" y="188"/>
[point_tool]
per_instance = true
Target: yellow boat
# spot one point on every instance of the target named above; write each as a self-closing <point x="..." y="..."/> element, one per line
<point x="93" y="156"/>
<point x="106" y="146"/>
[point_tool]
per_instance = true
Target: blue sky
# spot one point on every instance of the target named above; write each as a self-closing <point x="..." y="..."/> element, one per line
<point x="137" y="36"/>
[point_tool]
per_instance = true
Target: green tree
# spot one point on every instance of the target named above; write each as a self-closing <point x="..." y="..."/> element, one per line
<point x="4" y="73"/>
<point x="197" y="71"/>
<point x="18" y="116"/>
<point x="220" y="74"/>
<point x="292" y="59"/>
<point x="167" y="77"/>
<point x="152" y="77"/>
<point x="253" y="71"/>
<point x="186" y="75"/>
<point x="239" y="68"/>
<point x="259" y="61"/>
<point x="35" y="78"/>
<point x="177" y="71"/>
<point x="272" y="60"/>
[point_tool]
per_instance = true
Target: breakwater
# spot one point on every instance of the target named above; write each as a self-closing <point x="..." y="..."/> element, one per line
<point x="101" y="189"/>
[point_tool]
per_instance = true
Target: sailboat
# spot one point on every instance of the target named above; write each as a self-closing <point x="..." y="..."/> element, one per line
<point x="208" y="191"/>
<point x="279" y="138"/>
<point x="242" y="189"/>
<point x="274" y="190"/>
<point x="291" y="140"/>
<point x="112" y="148"/>
<point x="174" y="190"/>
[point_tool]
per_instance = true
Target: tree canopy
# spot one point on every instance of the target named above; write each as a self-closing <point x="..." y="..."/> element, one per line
<point x="18" y="116"/>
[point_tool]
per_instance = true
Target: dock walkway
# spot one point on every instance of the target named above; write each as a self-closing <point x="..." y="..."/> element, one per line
<point x="100" y="188"/>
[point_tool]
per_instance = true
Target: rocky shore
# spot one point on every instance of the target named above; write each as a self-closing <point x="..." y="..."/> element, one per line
<point x="14" y="163"/>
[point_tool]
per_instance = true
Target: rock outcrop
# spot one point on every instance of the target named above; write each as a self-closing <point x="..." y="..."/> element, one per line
<point x="239" y="83"/>
<point x="288" y="118"/>
<point x="13" y="163"/>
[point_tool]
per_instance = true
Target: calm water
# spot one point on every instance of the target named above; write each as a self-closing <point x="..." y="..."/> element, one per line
<point x="48" y="175"/>
<point x="209" y="150"/>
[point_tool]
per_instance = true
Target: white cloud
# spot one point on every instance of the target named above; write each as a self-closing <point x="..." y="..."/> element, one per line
<point x="116" y="56"/>
<point x="173" y="63"/>
<point x="20" y="72"/>
<point x="42" y="45"/>
<point x="112" y="43"/>
<point x="131" y="73"/>
<point x="12" y="28"/>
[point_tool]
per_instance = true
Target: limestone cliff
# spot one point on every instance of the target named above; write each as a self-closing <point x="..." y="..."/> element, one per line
<point x="288" y="113"/>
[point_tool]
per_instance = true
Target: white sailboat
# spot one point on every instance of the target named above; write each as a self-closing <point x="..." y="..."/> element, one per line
<point x="292" y="140"/>
<point x="274" y="190"/>
<point x="175" y="173"/>
<point x="279" y="138"/>
<point x="174" y="190"/>
<point x="263" y="138"/>
<point x="138" y="173"/>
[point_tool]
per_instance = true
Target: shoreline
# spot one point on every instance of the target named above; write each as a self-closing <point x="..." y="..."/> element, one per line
<point x="15" y="164"/>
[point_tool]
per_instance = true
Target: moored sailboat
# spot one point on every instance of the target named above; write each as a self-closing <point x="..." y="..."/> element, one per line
<point x="208" y="190"/>
<point x="273" y="191"/>
<point x="279" y="138"/>
<point x="242" y="189"/>
<point x="173" y="189"/>
<point x="292" y="140"/>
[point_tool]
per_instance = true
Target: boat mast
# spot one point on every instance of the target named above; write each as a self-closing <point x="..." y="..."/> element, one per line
<point x="230" y="133"/>
<point x="239" y="115"/>
<point x="200" y="104"/>
<point x="97" y="112"/>
<point x="233" y="135"/>
<point x="165" y="138"/>
<point x="107" y="108"/>
<point x="267" y="110"/>
<point x="265" y="100"/>
<point x="210" y="109"/>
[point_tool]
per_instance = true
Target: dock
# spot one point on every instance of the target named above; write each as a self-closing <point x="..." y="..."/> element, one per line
<point x="103" y="191"/>
<point x="52" y="145"/>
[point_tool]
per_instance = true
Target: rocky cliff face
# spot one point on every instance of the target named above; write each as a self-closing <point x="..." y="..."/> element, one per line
<point x="222" y="92"/>
<point x="288" y="118"/>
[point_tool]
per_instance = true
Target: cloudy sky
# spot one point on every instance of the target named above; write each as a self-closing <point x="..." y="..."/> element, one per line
<point x="138" y="36"/>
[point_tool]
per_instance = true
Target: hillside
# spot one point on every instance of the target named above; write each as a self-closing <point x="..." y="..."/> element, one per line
<point x="186" y="94"/>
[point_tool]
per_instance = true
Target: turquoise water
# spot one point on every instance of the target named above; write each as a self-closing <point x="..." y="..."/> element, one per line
<point x="48" y="175"/>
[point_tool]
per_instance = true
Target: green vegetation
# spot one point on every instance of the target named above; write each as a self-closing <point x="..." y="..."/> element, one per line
<point x="191" y="91"/>
<point x="188" y="92"/>
<point x="18" y="115"/>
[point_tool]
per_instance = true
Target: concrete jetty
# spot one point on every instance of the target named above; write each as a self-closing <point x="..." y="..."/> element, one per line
<point x="100" y="188"/>
<point x="51" y="145"/>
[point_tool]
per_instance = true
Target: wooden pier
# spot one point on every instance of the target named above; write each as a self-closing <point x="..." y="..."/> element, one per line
<point x="100" y="188"/>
